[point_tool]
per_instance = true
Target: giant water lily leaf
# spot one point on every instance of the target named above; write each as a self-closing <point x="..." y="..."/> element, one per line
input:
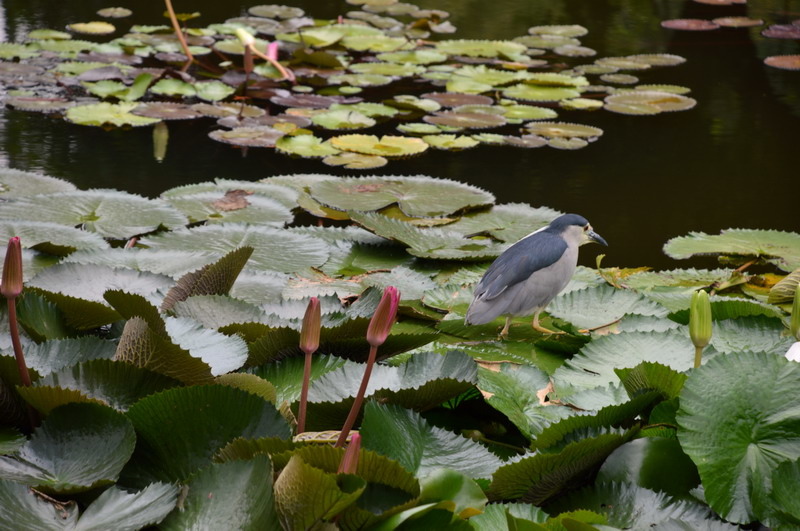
<point x="273" y="249"/>
<point x="17" y="183"/>
<point x="737" y="437"/>
<point x="237" y="495"/>
<point x="784" y="479"/>
<point x="113" y="509"/>
<point x="222" y="353"/>
<point x="507" y="222"/>
<point x="540" y="477"/>
<point x="628" y="506"/>
<point x="201" y="420"/>
<point x="427" y="379"/>
<point x="287" y="374"/>
<point x="78" y="447"/>
<point x="481" y="48"/>
<point x="594" y="364"/>
<point x="427" y="243"/>
<point x="54" y="355"/>
<point x="51" y="238"/>
<point x="300" y="507"/>
<point x="730" y="308"/>
<point x="211" y="279"/>
<point x="217" y="311"/>
<point x="405" y="436"/>
<point x="167" y="262"/>
<point x="99" y="114"/>
<point x="750" y="334"/>
<point x="416" y="196"/>
<point x="601" y="305"/>
<point x="654" y="463"/>
<point x="284" y="195"/>
<point x="109" y="213"/>
<point x="115" y="384"/>
<point x="777" y="247"/>
<point x="77" y="290"/>
<point x="512" y="391"/>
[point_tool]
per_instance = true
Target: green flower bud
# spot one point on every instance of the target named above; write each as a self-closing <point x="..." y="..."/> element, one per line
<point x="794" y="325"/>
<point x="309" y="333"/>
<point x="700" y="319"/>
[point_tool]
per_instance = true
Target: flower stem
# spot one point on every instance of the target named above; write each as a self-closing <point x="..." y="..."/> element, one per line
<point x="24" y="375"/>
<point x="179" y="34"/>
<point x="301" y="414"/>
<point x="351" y="417"/>
<point x="698" y="356"/>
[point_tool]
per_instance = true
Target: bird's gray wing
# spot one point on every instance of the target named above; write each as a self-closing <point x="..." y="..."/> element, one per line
<point x="519" y="262"/>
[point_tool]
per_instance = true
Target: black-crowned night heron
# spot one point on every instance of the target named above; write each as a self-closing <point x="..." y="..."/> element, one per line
<point x="530" y="273"/>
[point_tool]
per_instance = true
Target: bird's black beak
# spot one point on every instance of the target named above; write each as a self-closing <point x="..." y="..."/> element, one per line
<point x="594" y="237"/>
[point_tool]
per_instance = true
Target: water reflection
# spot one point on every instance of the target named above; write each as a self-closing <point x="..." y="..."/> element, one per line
<point x="727" y="163"/>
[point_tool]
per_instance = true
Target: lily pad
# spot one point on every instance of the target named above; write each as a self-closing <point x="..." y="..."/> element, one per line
<point x="92" y="28"/>
<point x="563" y="130"/>
<point x="386" y="146"/>
<point x="100" y="114"/>
<point x="527" y="92"/>
<point x="109" y="213"/>
<point x="776" y="247"/>
<point x="342" y="119"/>
<point x="248" y="136"/>
<point x="306" y="146"/>
<point x="417" y="196"/>
<point x="355" y="161"/>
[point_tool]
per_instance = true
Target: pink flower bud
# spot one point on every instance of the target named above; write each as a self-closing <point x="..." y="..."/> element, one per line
<point x="11" y="286"/>
<point x="272" y="50"/>
<point x="349" y="464"/>
<point x="384" y="317"/>
<point x="309" y="334"/>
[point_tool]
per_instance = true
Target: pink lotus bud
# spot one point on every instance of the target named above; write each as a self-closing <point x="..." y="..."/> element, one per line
<point x="384" y="317"/>
<point x="309" y="334"/>
<point x="349" y="464"/>
<point x="272" y="50"/>
<point x="12" y="270"/>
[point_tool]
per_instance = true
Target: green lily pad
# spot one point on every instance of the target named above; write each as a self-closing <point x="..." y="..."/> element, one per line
<point x="342" y="119"/>
<point x="228" y="203"/>
<point x="481" y="48"/>
<point x="602" y="305"/>
<point x="776" y="247"/>
<point x="77" y="448"/>
<point x="527" y="92"/>
<point x="355" y="161"/>
<point x="237" y="494"/>
<point x="375" y="43"/>
<point x="52" y="238"/>
<point x="386" y="146"/>
<point x="416" y="196"/>
<point x="92" y="28"/>
<point x="173" y="87"/>
<point x="361" y="80"/>
<point x="450" y="142"/>
<point x="305" y="146"/>
<point x="100" y="114"/>
<point x="248" y="136"/>
<point x="202" y="419"/>
<point x="417" y="57"/>
<point x="738" y="438"/>
<point x="297" y="251"/>
<point x="563" y="130"/>
<point x="109" y="213"/>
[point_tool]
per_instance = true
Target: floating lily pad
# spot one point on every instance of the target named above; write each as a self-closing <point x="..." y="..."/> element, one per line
<point x="779" y="248"/>
<point x="581" y="104"/>
<point x="525" y="141"/>
<point x="567" y="30"/>
<point x="648" y="100"/>
<point x="361" y="80"/>
<point x="689" y="24"/>
<point x="99" y="114"/>
<point x="656" y="59"/>
<point x="274" y="249"/>
<point x="563" y="130"/>
<point x="115" y="12"/>
<point x="527" y="92"/>
<point x="173" y="87"/>
<point x="220" y="110"/>
<point x="110" y="213"/>
<point x="355" y="161"/>
<point x="782" y="31"/>
<point x="275" y="11"/>
<point x="481" y="48"/>
<point x="528" y="112"/>
<point x="417" y="57"/>
<point x="386" y="146"/>
<point x="573" y="50"/>
<point x="166" y="111"/>
<point x="305" y="146"/>
<point x="248" y="136"/>
<point x="213" y="90"/>
<point x="416" y="196"/>
<point x="738" y="22"/>
<point x="92" y="28"/>
<point x="387" y="69"/>
<point x="450" y="142"/>
<point x="48" y="34"/>
<point x="784" y="62"/>
<point x="342" y="119"/>
<point x="567" y="143"/>
<point x="469" y="120"/>
<point x="17" y="183"/>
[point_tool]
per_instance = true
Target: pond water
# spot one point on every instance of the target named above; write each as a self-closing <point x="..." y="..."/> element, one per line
<point x="729" y="162"/>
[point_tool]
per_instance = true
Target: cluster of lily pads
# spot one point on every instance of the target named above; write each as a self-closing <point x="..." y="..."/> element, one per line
<point x="163" y="340"/>
<point x="374" y="69"/>
<point x="773" y="31"/>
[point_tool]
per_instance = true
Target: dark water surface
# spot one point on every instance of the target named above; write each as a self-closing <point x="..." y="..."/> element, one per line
<point x="732" y="161"/>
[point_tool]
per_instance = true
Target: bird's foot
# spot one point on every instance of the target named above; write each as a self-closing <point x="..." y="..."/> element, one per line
<point x="547" y="331"/>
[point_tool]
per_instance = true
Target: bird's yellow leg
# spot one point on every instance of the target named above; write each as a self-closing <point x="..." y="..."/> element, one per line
<point x="539" y="328"/>
<point x="504" y="331"/>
